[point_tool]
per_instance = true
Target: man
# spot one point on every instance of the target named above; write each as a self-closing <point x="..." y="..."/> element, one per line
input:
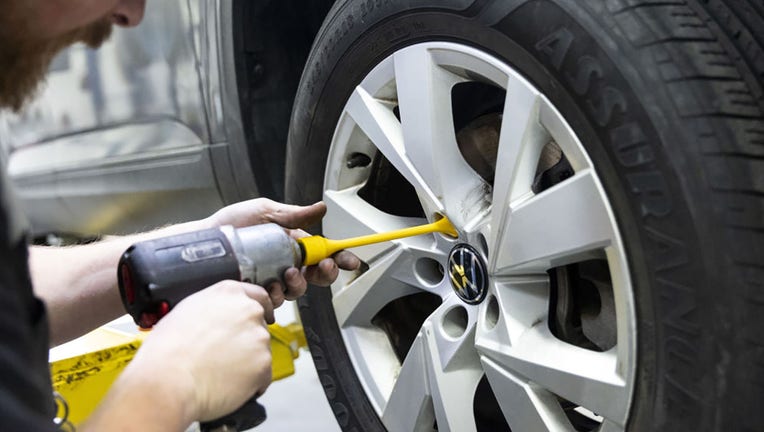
<point x="207" y="356"/>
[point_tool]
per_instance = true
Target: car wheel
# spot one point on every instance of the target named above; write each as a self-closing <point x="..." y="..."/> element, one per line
<point x="602" y="164"/>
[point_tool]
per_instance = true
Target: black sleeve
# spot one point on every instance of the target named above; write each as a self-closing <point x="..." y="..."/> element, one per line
<point x="26" y="402"/>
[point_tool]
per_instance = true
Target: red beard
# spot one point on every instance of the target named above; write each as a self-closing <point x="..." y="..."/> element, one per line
<point x="24" y="58"/>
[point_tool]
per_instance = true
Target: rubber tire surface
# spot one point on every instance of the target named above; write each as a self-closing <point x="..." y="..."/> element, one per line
<point x="667" y="98"/>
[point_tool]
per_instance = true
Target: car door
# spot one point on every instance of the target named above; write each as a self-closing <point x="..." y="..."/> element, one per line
<point x="118" y="138"/>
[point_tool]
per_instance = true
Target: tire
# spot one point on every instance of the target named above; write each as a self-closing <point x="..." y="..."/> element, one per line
<point x="666" y="99"/>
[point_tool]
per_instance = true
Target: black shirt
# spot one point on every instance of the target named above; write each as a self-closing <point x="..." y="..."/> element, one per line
<point x="26" y="402"/>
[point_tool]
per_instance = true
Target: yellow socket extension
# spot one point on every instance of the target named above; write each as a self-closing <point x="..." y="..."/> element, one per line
<point x="316" y="248"/>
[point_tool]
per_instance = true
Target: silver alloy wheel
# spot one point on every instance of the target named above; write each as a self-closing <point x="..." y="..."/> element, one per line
<point x="522" y="234"/>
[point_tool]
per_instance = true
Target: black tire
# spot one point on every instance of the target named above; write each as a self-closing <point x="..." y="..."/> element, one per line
<point x="669" y="104"/>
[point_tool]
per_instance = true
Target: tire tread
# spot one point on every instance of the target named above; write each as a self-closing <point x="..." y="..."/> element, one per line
<point x="709" y="55"/>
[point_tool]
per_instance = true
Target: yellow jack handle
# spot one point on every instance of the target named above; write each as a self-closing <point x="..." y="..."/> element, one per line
<point x="316" y="248"/>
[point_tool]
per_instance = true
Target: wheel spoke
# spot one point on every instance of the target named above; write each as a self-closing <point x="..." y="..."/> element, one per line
<point x="561" y="225"/>
<point x="351" y="216"/>
<point x="409" y="407"/>
<point x="451" y="389"/>
<point x="424" y="97"/>
<point x="357" y="302"/>
<point x="391" y="275"/>
<point x="453" y="398"/>
<point x="585" y="377"/>
<point x="379" y="123"/>
<point x="563" y="136"/>
<point x="521" y="140"/>
<point x="453" y="351"/>
<point x="526" y="407"/>
<point x="523" y="302"/>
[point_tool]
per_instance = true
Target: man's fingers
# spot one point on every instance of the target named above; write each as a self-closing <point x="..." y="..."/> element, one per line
<point x="298" y="233"/>
<point x="346" y="260"/>
<point x="322" y="274"/>
<point x="276" y="292"/>
<point x="291" y="216"/>
<point x="264" y="210"/>
<point x="259" y="294"/>
<point x="296" y="283"/>
<point x="295" y="287"/>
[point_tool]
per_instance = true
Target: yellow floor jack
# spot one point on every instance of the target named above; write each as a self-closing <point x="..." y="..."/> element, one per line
<point x="83" y="371"/>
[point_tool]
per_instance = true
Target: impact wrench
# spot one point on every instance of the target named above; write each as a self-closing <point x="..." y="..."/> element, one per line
<point x="155" y="275"/>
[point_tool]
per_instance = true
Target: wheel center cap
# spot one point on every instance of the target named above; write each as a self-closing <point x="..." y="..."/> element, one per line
<point x="468" y="273"/>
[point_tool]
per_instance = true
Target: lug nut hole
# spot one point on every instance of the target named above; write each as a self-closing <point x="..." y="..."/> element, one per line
<point x="429" y="271"/>
<point x="455" y="322"/>
<point x="483" y="243"/>
<point x="491" y="313"/>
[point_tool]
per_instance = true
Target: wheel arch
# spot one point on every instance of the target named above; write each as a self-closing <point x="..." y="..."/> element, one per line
<point x="271" y="42"/>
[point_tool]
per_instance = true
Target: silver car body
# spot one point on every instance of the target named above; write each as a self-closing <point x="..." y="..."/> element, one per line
<point x="143" y="132"/>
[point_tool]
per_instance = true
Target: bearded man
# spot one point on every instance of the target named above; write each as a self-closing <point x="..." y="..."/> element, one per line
<point x="173" y="380"/>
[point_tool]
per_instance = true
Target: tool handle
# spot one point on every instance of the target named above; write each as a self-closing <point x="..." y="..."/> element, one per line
<point x="155" y="275"/>
<point x="249" y="415"/>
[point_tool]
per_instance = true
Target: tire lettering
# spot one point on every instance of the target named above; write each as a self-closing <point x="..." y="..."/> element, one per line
<point x="556" y="46"/>
<point x="311" y="334"/>
<point x="342" y="414"/>
<point x="346" y="26"/>
<point x="369" y="5"/>
<point x="330" y="387"/>
<point x="680" y="307"/>
<point x="630" y="145"/>
<point x="588" y="68"/>
<point x="651" y="190"/>
<point x="603" y="111"/>
<point x="681" y="352"/>
<point x="616" y="115"/>
<point x="318" y="357"/>
<point x="397" y="33"/>
<point x="670" y="252"/>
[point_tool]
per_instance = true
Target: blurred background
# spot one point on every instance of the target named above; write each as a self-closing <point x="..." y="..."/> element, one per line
<point x="140" y="133"/>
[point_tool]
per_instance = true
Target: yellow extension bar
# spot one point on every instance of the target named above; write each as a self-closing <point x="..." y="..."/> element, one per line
<point x="83" y="380"/>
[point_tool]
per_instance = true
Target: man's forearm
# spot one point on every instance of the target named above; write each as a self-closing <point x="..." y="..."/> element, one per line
<point x="79" y="283"/>
<point x="145" y="398"/>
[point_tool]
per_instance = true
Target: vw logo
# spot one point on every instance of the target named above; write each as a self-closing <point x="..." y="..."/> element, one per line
<point x="468" y="273"/>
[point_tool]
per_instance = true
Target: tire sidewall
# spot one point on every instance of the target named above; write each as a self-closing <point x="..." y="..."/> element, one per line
<point x="650" y="198"/>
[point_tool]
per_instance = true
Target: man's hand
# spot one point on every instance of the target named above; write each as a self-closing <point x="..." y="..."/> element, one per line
<point x="208" y="355"/>
<point x="294" y="218"/>
<point x="81" y="281"/>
